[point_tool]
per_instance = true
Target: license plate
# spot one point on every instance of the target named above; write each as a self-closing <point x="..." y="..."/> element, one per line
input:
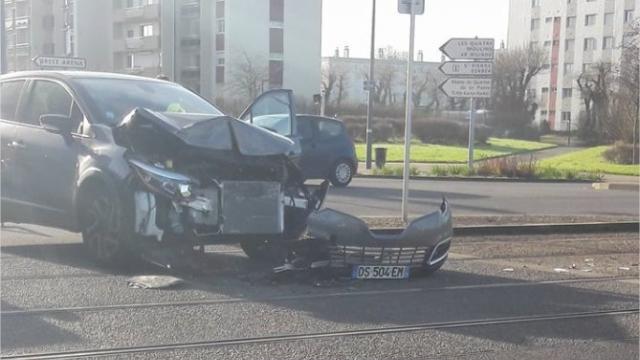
<point x="380" y="272"/>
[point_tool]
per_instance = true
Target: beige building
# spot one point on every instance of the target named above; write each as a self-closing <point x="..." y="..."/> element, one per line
<point x="576" y="34"/>
<point x="202" y="44"/>
<point x="34" y="28"/>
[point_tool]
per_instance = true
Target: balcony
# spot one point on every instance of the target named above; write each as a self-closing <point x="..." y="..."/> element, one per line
<point x="147" y="43"/>
<point x="140" y="13"/>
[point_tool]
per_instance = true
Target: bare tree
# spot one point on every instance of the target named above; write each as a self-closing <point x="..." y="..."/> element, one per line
<point x="334" y="82"/>
<point x="594" y="84"/>
<point x="427" y="84"/>
<point x="514" y="69"/>
<point x="248" y="76"/>
<point x="386" y="79"/>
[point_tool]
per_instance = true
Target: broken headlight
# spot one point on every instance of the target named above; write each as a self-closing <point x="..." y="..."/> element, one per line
<point x="168" y="183"/>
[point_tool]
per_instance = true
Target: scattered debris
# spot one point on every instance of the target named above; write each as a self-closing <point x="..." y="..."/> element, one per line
<point x="587" y="270"/>
<point x="634" y="264"/>
<point x="507" y="269"/>
<point x="588" y="260"/>
<point x="591" y="264"/>
<point x="573" y="266"/>
<point x="624" y="268"/>
<point x="560" y="270"/>
<point x="153" y="282"/>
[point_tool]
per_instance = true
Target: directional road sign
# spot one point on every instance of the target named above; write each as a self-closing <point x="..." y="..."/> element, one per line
<point x="60" y="62"/>
<point x="404" y="7"/>
<point x="467" y="88"/>
<point x="469" y="49"/>
<point x="460" y="68"/>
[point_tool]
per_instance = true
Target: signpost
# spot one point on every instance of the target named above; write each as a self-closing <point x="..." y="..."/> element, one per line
<point x="60" y="62"/>
<point x="470" y="78"/>
<point x="411" y="7"/>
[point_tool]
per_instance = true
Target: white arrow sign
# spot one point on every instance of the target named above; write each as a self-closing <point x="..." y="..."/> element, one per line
<point x="60" y="62"/>
<point x="467" y="88"/>
<point x="404" y="7"/>
<point x="469" y="49"/>
<point x="468" y="68"/>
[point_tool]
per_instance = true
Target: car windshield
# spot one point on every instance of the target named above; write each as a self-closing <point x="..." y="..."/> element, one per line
<point x="278" y="123"/>
<point x="111" y="99"/>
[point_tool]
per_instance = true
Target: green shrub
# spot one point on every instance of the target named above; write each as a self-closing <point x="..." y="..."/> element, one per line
<point x="621" y="153"/>
<point x="439" y="132"/>
<point x="440" y="170"/>
<point x="396" y="171"/>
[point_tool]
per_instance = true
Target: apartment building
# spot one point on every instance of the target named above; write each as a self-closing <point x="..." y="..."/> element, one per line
<point x="576" y="34"/>
<point x="202" y="44"/>
<point x="32" y="28"/>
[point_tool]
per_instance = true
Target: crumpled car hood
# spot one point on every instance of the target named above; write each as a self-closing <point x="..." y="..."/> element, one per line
<point x="222" y="133"/>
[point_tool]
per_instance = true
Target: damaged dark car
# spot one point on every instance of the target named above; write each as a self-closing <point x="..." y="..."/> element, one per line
<point x="140" y="165"/>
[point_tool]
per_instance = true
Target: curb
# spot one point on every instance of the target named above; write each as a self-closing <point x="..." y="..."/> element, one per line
<point x="479" y="179"/>
<point x="616" y="186"/>
<point x="533" y="229"/>
<point x="541" y="229"/>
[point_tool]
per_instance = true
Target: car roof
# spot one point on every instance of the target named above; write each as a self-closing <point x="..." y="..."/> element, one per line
<point x="70" y="75"/>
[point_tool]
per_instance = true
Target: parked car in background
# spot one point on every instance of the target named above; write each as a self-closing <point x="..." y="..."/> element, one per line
<point x="327" y="150"/>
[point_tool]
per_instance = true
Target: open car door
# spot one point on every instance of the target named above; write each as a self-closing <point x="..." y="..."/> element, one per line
<point x="273" y="110"/>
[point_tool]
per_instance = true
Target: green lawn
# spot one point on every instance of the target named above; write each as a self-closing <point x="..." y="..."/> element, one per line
<point x="428" y="153"/>
<point x="589" y="160"/>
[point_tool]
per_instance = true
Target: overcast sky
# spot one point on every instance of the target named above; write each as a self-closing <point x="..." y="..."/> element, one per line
<point x="348" y="22"/>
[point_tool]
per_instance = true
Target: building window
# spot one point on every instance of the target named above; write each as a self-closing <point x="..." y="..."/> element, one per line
<point x="276" y="41"/>
<point x="590" y="20"/>
<point x="547" y="43"/>
<point x="535" y="3"/>
<point x="220" y="9"/>
<point x="608" y="19"/>
<point x="566" y="116"/>
<point x="220" y="74"/>
<point x="130" y="61"/>
<point x="607" y="42"/>
<point x="531" y="93"/>
<point x="628" y="16"/>
<point x="571" y="21"/>
<point x="567" y="92"/>
<point x="545" y="91"/>
<point x="586" y="67"/>
<point x="220" y="26"/>
<point x="130" y="34"/>
<point x="276" y="70"/>
<point x="535" y="24"/>
<point x="533" y="44"/>
<point x="590" y="44"/>
<point x="221" y="61"/>
<point x="146" y="30"/>
<point x="276" y="10"/>
<point x="219" y="42"/>
<point x="543" y="114"/>
<point x="568" y="68"/>
<point x="548" y="20"/>
<point x="569" y="44"/>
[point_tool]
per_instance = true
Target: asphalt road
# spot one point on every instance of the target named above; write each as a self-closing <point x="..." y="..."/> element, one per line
<point x="496" y="298"/>
<point x="382" y="197"/>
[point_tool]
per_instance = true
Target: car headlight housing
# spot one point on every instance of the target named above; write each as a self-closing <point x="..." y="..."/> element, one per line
<point x="174" y="185"/>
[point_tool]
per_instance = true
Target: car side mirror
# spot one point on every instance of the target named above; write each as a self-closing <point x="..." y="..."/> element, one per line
<point x="57" y="124"/>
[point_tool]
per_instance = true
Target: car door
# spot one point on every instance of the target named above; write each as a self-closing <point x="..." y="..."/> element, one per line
<point x="10" y="92"/>
<point x="274" y="110"/>
<point x="329" y="144"/>
<point x="308" y="157"/>
<point x="46" y="161"/>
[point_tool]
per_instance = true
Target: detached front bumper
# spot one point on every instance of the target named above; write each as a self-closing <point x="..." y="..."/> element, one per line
<point x="424" y="242"/>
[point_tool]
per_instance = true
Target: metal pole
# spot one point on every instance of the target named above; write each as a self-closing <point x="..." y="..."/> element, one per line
<point x="409" y="115"/>
<point x="323" y="102"/>
<point x="371" y="86"/>
<point x="569" y="138"/>
<point x="15" y="37"/>
<point x="3" y="40"/>
<point x="472" y="131"/>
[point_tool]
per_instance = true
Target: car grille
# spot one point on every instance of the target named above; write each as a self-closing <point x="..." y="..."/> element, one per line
<point x="341" y="256"/>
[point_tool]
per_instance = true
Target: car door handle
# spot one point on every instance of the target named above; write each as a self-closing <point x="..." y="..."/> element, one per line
<point x="15" y="144"/>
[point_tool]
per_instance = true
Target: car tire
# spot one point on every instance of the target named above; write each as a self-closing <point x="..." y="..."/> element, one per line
<point x="103" y="225"/>
<point x="427" y="270"/>
<point x="264" y="251"/>
<point x="341" y="173"/>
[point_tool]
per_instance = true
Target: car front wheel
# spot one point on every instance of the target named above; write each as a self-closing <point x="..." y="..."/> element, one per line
<point x="342" y="174"/>
<point x="102" y="227"/>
